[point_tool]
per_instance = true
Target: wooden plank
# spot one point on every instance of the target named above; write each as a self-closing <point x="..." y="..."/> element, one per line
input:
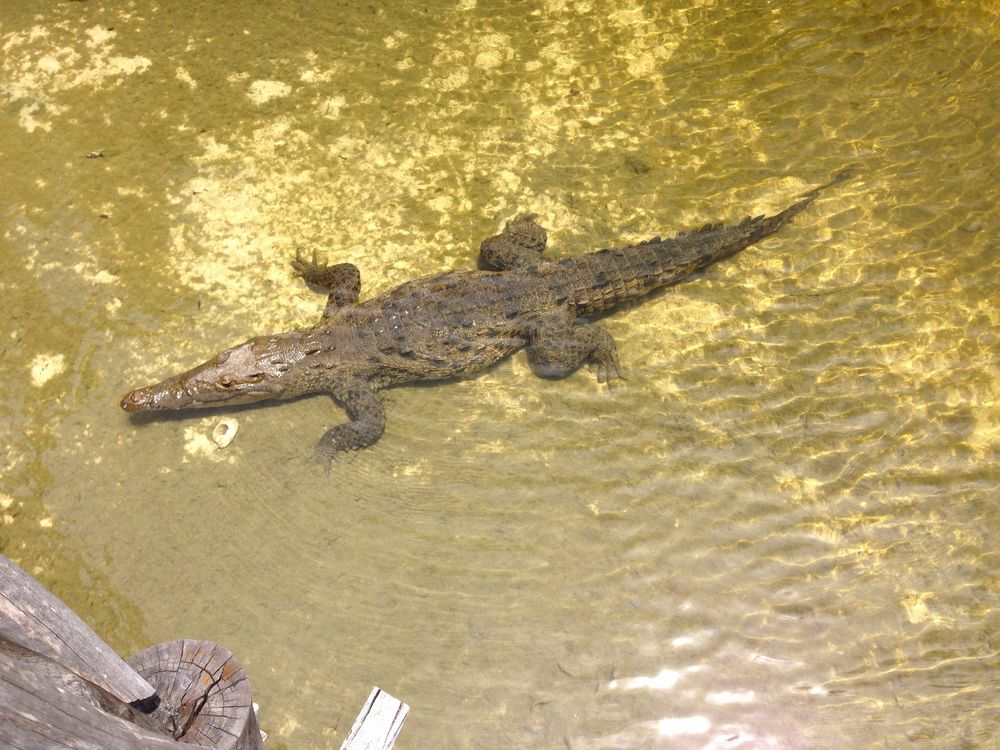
<point x="378" y="724"/>
<point x="204" y="694"/>
<point x="44" y="705"/>
<point x="33" y="617"/>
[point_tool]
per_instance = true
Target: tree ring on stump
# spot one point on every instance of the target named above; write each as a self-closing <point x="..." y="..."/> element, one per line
<point x="204" y="694"/>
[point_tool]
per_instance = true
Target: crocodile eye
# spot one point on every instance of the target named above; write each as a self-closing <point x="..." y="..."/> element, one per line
<point x="226" y="382"/>
<point x="255" y="377"/>
<point x="221" y="359"/>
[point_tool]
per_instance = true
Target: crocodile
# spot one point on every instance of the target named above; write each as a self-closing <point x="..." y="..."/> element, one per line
<point x="452" y="324"/>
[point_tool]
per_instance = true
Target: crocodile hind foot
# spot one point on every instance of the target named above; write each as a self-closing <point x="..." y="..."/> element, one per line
<point x="521" y="243"/>
<point x="556" y="351"/>
<point x="342" y="280"/>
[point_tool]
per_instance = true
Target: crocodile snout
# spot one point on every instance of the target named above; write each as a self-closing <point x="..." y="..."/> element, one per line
<point x="166" y="395"/>
<point x="135" y="400"/>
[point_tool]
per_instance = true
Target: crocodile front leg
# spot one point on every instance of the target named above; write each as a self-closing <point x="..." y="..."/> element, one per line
<point x="342" y="280"/>
<point x="521" y="243"/>
<point x="557" y="348"/>
<point x="367" y="414"/>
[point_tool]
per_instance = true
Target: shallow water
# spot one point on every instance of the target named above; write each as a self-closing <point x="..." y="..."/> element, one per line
<point x="778" y="532"/>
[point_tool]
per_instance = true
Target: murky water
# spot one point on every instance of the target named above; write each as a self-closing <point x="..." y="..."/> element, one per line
<point x="778" y="532"/>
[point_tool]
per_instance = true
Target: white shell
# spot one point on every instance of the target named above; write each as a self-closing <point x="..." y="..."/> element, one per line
<point x="224" y="432"/>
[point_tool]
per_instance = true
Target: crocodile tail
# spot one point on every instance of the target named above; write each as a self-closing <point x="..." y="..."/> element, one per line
<point x="609" y="277"/>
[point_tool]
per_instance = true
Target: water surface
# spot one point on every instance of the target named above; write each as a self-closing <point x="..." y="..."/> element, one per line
<point x="778" y="532"/>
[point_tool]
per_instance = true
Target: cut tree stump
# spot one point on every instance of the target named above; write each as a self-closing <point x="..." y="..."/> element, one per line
<point x="62" y="686"/>
<point x="32" y="617"/>
<point x="204" y="694"/>
<point x="378" y="724"/>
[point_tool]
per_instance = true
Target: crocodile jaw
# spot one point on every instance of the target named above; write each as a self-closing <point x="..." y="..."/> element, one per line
<point x="175" y="393"/>
<point x="240" y="375"/>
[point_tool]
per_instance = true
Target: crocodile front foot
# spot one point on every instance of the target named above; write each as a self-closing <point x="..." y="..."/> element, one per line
<point x="367" y="415"/>
<point x="342" y="280"/>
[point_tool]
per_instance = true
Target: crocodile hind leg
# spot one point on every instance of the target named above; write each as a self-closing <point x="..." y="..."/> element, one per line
<point x="342" y="280"/>
<point x="367" y="415"/>
<point x="521" y="243"/>
<point x="557" y="349"/>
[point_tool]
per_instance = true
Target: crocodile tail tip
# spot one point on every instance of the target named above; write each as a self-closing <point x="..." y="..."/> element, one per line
<point x="842" y="176"/>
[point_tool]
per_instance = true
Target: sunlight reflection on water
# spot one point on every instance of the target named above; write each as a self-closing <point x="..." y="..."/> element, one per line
<point x="777" y="532"/>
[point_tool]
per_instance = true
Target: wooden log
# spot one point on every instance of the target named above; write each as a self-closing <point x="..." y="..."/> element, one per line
<point x="34" y="618"/>
<point x="378" y="724"/>
<point x="44" y="705"/>
<point x="204" y="694"/>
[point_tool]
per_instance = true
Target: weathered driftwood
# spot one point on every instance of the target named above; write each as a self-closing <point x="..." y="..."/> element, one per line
<point x="204" y="694"/>
<point x="62" y="686"/>
<point x="378" y="724"/>
<point x="33" y="617"/>
<point x="44" y="705"/>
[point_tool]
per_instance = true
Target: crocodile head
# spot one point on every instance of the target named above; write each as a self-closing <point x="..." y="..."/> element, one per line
<point x="253" y="371"/>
